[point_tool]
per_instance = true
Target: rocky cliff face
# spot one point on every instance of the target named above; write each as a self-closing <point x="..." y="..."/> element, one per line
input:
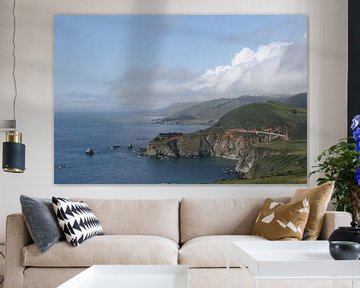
<point x="246" y="163"/>
<point x="229" y="144"/>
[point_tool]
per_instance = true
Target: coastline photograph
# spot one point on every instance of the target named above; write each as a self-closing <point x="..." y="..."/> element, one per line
<point x="155" y="99"/>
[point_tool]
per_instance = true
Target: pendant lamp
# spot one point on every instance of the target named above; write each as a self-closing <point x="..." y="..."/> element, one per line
<point x="13" y="160"/>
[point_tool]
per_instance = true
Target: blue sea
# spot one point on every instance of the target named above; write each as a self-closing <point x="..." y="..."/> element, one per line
<point x="74" y="132"/>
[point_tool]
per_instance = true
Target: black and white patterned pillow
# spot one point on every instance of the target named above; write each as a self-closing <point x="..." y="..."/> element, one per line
<point x="77" y="220"/>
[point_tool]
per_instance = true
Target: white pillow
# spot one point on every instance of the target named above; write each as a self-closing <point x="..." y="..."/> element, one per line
<point x="76" y="220"/>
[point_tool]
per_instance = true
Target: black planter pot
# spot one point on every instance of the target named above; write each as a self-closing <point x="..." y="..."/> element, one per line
<point x="351" y="234"/>
<point x="344" y="250"/>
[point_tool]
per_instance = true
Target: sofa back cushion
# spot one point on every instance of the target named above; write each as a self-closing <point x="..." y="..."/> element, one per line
<point x="200" y="217"/>
<point x="159" y="217"/>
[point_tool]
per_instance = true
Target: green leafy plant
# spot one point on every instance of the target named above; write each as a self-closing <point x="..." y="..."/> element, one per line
<point x="341" y="163"/>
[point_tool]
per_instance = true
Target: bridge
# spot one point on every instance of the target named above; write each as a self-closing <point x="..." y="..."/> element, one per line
<point x="266" y="136"/>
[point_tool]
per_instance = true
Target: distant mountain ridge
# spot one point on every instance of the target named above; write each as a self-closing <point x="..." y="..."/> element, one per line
<point x="208" y="112"/>
<point x="178" y="107"/>
<point x="298" y="100"/>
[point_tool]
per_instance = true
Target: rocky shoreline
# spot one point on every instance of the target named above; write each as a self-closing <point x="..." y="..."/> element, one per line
<point x="228" y="144"/>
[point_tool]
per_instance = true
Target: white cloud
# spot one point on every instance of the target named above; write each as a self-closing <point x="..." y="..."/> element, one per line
<point x="255" y="73"/>
<point x="274" y="68"/>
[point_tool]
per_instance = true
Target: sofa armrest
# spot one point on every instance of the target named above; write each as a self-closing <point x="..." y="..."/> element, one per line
<point x="333" y="220"/>
<point x="17" y="237"/>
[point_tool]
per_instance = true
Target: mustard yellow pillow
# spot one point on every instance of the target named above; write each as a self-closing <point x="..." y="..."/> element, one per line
<point x="319" y="198"/>
<point x="279" y="221"/>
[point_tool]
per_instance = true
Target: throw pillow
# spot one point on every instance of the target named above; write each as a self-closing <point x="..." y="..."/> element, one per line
<point x="41" y="222"/>
<point x="279" y="221"/>
<point x="77" y="220"/>
<point x="319" y="198"/>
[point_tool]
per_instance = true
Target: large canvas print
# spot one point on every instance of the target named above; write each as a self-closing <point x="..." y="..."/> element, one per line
<point x="180" y="99"/>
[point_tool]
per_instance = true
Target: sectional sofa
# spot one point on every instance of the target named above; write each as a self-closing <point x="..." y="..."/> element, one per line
<point x="194" y="232"/>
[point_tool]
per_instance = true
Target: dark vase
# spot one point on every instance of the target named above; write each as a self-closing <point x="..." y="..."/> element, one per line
<point x="344" y="250"/>
<point x="351" y="233"/>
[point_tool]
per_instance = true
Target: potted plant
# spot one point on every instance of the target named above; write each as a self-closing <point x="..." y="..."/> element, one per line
<point x="341" y="163"/>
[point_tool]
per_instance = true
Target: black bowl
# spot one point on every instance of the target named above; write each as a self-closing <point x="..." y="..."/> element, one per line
<point x="344" y="250"/>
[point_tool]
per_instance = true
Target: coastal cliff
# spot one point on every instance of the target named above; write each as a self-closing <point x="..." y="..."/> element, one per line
<point x="266" y="139"/>
<point x="229" y="144"/>
<point x="243" y="146"/>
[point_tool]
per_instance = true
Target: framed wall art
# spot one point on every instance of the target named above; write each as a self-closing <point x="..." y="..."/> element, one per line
<point x="180" y="99"/>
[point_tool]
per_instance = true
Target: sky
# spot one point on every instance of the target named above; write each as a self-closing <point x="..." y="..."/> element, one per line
<point x="148" y="62"/>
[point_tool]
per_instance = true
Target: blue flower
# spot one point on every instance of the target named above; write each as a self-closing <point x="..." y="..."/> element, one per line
<point x="356" y="134"/>
<point x="355" y="122"/>
<point x="357" y="176"/>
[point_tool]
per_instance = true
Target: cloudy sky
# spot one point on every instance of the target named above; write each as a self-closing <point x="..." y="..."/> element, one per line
<point x="138" y="62"/>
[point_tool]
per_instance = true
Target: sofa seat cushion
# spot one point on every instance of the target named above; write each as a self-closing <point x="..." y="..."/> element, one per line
<point x="107" y="249"/>
<point x="211" y="251"/>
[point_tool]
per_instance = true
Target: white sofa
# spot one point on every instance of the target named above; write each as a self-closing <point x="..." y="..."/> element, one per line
<point x="194" y="232"/>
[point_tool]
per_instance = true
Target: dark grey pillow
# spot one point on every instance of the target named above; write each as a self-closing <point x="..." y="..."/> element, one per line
<point x="41" y="221"/>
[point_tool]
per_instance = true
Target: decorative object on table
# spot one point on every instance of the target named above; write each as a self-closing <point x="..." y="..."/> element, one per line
<point x="319" y="198"/>
<point x="77" y="220"/>
<point x="13" y="149"/>
<point x="344" y="250"/>
<point x="41" y="221"/>
<point x="279" y="221"/>
<point x="341" y="163"/>
<point x="351" y="233"/>
<point x="234" y="113"/>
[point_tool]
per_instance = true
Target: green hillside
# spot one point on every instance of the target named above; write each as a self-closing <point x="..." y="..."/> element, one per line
<point x="271" y="114"/>
<point x="215" y="109"/>
<point x="299" y="178"/>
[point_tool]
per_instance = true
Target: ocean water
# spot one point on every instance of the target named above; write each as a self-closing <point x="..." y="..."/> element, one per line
<point x="74" y="132"/>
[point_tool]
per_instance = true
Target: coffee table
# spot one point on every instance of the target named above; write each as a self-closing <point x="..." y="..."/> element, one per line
<point x="292" y="260"/>
<point x="131" y="276"/>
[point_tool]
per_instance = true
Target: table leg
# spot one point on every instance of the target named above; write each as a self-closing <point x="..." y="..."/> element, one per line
<point x="228" y="270"/>
<point x="255" y="283"/>
<point x="355" y="283"/>
<point x="344" y="283"/>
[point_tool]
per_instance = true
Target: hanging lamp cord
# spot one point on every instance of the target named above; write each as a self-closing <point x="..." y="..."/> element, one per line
<point x="14" y="61"/>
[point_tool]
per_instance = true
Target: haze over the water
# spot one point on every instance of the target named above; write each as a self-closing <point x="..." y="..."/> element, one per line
<point x="148" y="62"/>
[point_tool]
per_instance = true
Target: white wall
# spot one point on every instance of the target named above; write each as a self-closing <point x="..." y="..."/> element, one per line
<point x="327" y="89"/>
